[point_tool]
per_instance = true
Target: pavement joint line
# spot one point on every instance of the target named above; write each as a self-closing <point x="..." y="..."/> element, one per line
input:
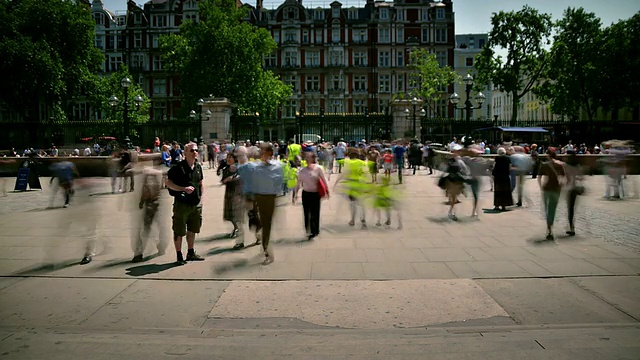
<point x="108" y="302"/>
<point x="595" y="294"/>
<point x="301" y="280"/>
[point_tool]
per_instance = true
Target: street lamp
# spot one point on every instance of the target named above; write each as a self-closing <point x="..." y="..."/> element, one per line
<point x="192" y="115"/>
<point x="468" y="106"/>
<point x="125" y="83"/>
<point x="300" y="117"/>
<point x="423" y="112"/>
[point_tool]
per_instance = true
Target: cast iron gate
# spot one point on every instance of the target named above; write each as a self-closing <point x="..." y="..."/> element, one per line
<point x="350" y="127"/>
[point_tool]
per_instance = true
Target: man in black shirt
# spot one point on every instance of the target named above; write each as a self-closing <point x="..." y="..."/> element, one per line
<point x="185" y="184"/>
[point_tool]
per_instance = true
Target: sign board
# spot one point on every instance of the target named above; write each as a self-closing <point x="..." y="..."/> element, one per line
<point x="23" y="179"/>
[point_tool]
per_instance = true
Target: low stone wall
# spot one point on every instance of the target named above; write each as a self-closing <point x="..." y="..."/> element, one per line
<point x="593" y="164"/>
<point x="89" y="166"/>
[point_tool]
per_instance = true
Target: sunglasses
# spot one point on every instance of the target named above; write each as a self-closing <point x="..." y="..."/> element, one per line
<point x="193" y="150"/>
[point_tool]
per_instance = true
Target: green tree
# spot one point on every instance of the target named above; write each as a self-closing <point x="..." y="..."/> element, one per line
<point x="574" y="78"/>
<point x="523" y="35"/>
<point x="619" y="63"/>
<point x="110" y="85"/>
<point x="46" y="55"/>
<point x="429" y="78"/>
<point x="221" y="55"/>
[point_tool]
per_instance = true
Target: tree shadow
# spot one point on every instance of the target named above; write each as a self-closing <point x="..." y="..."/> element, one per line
<point x="151" y="268"/>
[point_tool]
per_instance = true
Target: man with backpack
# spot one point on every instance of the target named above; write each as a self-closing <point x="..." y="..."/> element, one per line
<point x="185" y="185"/>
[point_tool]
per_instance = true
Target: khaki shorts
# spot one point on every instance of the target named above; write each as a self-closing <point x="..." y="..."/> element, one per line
<point x="186" y="217"/>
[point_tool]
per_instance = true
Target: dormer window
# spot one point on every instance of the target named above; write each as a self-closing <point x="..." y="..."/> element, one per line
<point x="318" y="14"/>
<point x="291" y="13"/>
<point x="384" y="14"/>
<point x="335" y="12"/>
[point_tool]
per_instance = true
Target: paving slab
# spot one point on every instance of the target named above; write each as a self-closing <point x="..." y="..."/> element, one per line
<point x="359" y="304"/>
<point x="551" y="301"/>
<point x="54" y="302"/>
<point x="159" y="304"/>
<point x="621" y="292"/>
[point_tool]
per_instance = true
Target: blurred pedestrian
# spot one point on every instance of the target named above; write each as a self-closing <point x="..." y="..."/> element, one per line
<point x="149" y="203"/>
<point x="575" y="187"/>
<point x="309" y="179"/>
<point x="502" y="182"/>
<point x="552" y="171"/>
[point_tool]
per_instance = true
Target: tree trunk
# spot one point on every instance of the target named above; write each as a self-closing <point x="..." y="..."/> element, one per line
<point x="514" y="113"/>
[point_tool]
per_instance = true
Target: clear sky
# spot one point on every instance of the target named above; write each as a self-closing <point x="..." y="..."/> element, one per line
<point x="474" y="16"/>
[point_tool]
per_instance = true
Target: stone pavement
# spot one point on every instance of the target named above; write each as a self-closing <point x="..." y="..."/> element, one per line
<point x="485" y="274"/>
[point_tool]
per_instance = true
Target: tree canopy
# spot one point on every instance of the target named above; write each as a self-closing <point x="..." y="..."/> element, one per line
<point x="523" y="35"/>
<point x="220" y="55"/>
<point x="429" y="78"/>
<point x="46" y="54"/>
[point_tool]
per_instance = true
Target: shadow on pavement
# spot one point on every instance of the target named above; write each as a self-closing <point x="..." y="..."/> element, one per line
<point x="216" y="237"/>
<point x="46" y="268"/>
<point x="115" y="263"/>
<point x="292" y="241"/>
<point x="151" y="268"/>
<point x="239" y="264"/>
<point x="541" y="240"/>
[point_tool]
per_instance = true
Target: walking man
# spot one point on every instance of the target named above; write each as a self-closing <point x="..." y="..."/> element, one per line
<point x="185" y="185"/>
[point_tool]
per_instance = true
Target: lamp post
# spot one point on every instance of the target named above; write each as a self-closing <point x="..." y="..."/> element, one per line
<point x="423" y="112"/>
<point x="192" y="115"/>
<point x="468" y="106"/>
<point x="125" y="83"/>
<point x="300" y="116"/>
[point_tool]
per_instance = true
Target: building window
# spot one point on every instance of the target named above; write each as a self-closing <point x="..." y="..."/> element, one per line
<point x="154" y="40"/>
<point x="159" y="108"/>
<point x="400" y="35"/>
<point x="383" y="59"/>
<point x="110" y="40"/>
<point x="290" y="58"/>
<point x="399" y="15"/>
<point x="336" y="82"/>
<point x="190" y="5"/>
<point x="290" y="36"/>
<point x="353" y="14"/>
<point x="99" y="42"/>
<point x="469" y="61"/>
<point x="440" y="14"/>
<point x="360" y="83"/>
<point x="122" y="20"/>
<point x="312" y="106"/>
<point x="271" y="60"/>
<point x="336" y="57"/>
<point x="137" y="61"/>
<point x="319" y="36"/>
<point x="360" y="58"/>
<point x="159" y="20"/>
<point x="335" y="33"/>
<point x="383" y="35"/>
<point x="313" y="83"/>
<point x="293" y="81"/>
<point x="159" y="86"/>
<point x="318" y="14"/>
<point x="336" y="106"/>
<point x="114" y="62"/>
<point x="290" y="108"/>
<point x="441" y="35"/>
<point x="400" y="83"/>
<point x="441" y="57"/>
<point x="400" y="58"/>
<point x="335" y="12"/>
<point x="276" y="36"/>
<point x="480" y="43"/>
<point x="99" y="18"/>
<point x="425" y="15"/>
<point x="313" y="58"/>
<point x="191" y="17"/>
<point x="425" y="35"/>
<point x="359" y="36"/>
<point x="291" y="13"/>
<point x="137" y="40"/>
<point x="157" y="63"/>
<point x="81" y="111"/>
<point x="359" y="106"/>
<point x="384" y="14"/>
<point x="305" y="36"/>
<point x="385" y="83"/>
<point x="137" y="18"/>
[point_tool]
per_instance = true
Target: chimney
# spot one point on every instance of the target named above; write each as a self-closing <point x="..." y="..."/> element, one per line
<point x="258" y="4"/>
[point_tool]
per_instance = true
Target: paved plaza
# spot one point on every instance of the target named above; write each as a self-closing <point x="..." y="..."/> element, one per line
<point x="486" y="286"/>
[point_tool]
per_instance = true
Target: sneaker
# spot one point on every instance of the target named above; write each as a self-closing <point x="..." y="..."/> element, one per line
<point x="137" y="259"/>
<point x="194" y="257"/>
<point x="85" y="260"/>
<point x="351" y="223"/>
<point x="179" y="258"/>
<point x="238" y="246"/>
<point x="550" y="237"/>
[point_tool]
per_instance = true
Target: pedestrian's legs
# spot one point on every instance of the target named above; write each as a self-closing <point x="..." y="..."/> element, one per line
<point x="388" y="211"/>
<point x="551" y="204"/>
<point x="571" y="204"/>
<point x="353" y="208"/>
<point x="475" y="190"/>
<point x="315" y="214"/>
<point x="266" y="207"/>
<point x="520" y="179"/>
<point x="306" y="209"/>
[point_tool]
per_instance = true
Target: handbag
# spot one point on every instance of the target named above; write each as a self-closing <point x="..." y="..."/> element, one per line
<point x="323" y="189"/>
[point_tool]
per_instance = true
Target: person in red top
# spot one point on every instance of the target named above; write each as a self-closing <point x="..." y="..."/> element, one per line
<point x="388" y="162"/>
<point x="156" y="145"/>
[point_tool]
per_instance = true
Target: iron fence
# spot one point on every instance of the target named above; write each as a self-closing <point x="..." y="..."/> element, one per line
<point x="350" y="127"/>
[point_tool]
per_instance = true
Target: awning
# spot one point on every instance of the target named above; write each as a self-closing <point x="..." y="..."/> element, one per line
<point x="517" y="129"/>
